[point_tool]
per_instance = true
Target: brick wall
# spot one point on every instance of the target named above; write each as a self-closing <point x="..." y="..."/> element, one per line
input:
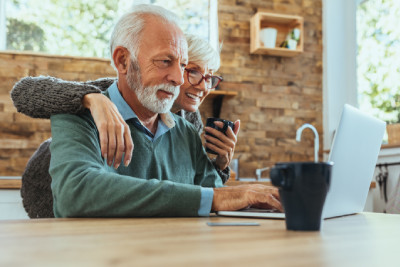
<point x="276" y="95"/>
<point x="19" y="134"/>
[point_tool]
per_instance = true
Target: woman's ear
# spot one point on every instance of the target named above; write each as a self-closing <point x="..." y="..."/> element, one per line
<point x="121" y="57"/>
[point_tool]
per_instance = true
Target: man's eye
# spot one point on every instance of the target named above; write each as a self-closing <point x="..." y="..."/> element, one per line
<point x="162" y="63"/>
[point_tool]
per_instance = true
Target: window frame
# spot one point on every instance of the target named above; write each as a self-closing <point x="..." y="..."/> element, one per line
<point x="339" y="62"/>
<point x="3" y="31"/>
<point x="213" y="35"/>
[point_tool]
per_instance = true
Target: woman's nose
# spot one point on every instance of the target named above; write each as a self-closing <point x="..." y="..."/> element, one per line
<point x="202" y="85"/>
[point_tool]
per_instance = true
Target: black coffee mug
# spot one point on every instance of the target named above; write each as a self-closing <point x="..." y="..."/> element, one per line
<point x="302" y="188"/>
<point x="210" y="123"/>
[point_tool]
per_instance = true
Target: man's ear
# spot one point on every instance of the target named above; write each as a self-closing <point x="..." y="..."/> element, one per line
<point x="121" y="57"/>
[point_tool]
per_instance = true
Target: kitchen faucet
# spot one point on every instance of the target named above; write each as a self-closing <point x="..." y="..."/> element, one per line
<point x="259" y="171"/>
<point x="316" y="138"/>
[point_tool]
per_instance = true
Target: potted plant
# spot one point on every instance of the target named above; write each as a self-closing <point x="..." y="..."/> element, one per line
<point x="389" y="103"/>
<point x="291" y="39"/>
<point x="393" y="131"/>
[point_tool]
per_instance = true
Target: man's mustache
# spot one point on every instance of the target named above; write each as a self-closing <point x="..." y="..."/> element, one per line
<point x="168" y="88"/>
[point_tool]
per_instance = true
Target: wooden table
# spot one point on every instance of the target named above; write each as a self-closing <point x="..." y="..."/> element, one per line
<point x="366" y="239"/>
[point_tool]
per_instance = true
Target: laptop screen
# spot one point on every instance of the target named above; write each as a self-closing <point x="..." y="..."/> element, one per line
<point x="354" y="152"/>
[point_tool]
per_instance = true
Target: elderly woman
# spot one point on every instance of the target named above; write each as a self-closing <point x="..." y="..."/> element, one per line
<point x="115" y="138"/>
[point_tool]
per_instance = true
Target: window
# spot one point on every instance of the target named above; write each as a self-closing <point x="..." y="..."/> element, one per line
<point x="378" y="59"/>
<point x="83" y="28"/>
<point x="354" y="52"/>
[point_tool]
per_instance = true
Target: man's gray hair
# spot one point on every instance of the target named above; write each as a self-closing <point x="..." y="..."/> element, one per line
<point x="202" y="53"/>
<point x="128" y="30"/>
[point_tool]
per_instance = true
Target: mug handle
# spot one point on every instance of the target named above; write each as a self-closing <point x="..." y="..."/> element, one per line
<point x="226" y="125"/>
<point x="282" y="176"/>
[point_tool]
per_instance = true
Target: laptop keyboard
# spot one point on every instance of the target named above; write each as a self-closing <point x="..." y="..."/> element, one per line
<point x="261" y="210"/>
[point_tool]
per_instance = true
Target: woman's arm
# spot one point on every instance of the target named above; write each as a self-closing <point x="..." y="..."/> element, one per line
<point x="195" y="119"/>
<point x="41" y="97"/>
<point x="115" y="136"/>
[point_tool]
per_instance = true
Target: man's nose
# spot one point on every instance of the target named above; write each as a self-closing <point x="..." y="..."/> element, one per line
<point x="176" y="75"/>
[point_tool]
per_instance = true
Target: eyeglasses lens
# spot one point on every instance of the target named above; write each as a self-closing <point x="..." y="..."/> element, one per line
<point x="196" y="78"/>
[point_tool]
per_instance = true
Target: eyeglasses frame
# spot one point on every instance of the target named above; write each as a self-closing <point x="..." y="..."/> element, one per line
<point x="204" y="77"/>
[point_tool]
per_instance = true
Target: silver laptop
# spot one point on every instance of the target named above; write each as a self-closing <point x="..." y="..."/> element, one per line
<point x="354" y="152"/>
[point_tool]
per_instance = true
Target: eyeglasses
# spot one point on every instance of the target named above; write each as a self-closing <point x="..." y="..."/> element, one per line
<point x="195" y="78"/>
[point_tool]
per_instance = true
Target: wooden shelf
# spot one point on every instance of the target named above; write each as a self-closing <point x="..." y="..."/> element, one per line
<point x="217" y="96"/>
<point x="280" y="52"/>
<point x="390" y="146"/>
<point x="10" y="183"/>
<point x="215" y="93"/>
<point x="16" y="183"/>
<point x="284" y="24"/>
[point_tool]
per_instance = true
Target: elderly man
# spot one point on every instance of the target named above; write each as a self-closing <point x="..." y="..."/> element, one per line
<point x="171" y="174"/>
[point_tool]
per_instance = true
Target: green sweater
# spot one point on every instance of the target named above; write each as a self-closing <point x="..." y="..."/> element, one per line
<point x="163" y="179"/>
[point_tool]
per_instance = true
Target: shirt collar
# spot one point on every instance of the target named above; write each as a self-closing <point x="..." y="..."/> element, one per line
<point x="126" y="111"/>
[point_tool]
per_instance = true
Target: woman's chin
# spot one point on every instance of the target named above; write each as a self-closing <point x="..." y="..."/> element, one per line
<point x="191" y="108"/>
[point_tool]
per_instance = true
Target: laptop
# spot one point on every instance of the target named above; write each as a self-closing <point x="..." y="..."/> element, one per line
<point x="355" y="150"/>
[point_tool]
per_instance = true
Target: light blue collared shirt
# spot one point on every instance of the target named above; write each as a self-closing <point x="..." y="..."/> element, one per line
<point x="127" y="113"/>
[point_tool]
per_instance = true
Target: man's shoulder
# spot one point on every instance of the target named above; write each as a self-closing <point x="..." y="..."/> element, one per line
<point x="85" y="119"/>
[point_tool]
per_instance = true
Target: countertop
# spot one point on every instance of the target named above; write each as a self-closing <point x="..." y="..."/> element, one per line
<point x="366" y="239"/>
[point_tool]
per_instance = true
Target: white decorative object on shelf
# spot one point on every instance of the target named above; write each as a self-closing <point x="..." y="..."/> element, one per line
<point x="291" y="44"/>
<point x="268" y="37"/>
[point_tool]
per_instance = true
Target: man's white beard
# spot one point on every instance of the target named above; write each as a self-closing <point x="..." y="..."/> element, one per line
<point x="147" y="96"/>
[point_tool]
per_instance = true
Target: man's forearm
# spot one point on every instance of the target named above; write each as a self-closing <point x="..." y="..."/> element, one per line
<point x="243" y="196"/>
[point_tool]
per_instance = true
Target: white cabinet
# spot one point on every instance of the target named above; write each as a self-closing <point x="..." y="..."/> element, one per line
<point x="391" y="155"/>
<point x="11" y="207"/>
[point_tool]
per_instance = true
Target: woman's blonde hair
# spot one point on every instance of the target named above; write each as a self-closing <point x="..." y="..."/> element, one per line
<point x="202" y="53"/>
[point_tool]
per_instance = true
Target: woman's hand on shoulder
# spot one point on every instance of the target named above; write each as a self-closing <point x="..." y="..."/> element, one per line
<point x="114" y="133"/>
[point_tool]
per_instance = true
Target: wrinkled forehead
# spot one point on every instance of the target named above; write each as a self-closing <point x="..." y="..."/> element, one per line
<point x="164" y="36"/>
<point x="182" y="47"/>
<point x="178" y="44"/>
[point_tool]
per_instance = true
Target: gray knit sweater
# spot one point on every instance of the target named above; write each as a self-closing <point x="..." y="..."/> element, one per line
<point x="41" y="97"/>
